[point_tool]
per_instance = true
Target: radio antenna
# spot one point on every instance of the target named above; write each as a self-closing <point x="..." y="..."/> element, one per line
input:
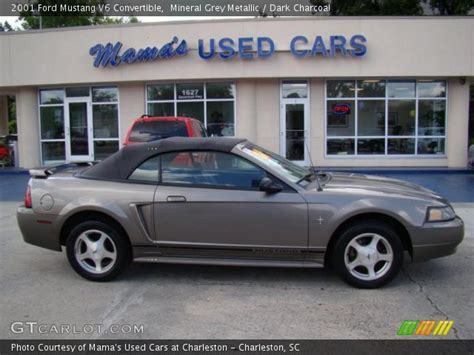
<point x="315" y="173"/>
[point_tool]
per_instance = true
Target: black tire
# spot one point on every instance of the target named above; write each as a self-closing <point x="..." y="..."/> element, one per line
<point x="120" y="245"/>
<point x="356" y="230"/>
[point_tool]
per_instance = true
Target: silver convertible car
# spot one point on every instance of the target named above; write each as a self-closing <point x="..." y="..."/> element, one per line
<point x="227" y="201"/>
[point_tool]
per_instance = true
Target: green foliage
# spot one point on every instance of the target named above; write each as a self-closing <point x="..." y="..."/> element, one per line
<point x="451" y="7"/>
<point x="11" y="115"/>
<point x="45" y="20"/>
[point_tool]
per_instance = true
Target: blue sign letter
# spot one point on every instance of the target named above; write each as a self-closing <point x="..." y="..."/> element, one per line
<point x="243" y="48"/>
<point x="226" y="46"/>
<point x="106" y="55"/>
<point x="182" y="48"/>
<point x="319" y="47"/>
<point x="271" y="47"/>
<point x="301" y="52"/>
<point x="212" y="49"/>
<point x="129" y="56"/>
<point x="359" y="48"/>
<point x="335" y="46"/>
<point x="167" y="50"/>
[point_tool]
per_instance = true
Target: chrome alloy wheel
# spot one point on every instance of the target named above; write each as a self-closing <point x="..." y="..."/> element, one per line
<point x="95" y="251"/>
<point x="368" y="256"/>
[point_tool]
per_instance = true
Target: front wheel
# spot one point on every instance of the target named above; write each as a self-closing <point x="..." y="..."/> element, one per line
<point x="97" y="251"/>
<point x="368" y="254"/>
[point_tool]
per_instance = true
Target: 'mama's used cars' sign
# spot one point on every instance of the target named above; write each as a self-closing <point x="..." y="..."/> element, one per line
<point x="228" y="48"/>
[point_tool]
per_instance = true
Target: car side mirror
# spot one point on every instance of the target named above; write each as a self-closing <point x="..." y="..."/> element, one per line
<point x="267" y="185"/>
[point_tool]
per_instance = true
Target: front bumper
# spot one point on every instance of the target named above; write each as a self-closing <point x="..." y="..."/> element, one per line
<point x="435" y="240"/>
<point x="39" y="230"/>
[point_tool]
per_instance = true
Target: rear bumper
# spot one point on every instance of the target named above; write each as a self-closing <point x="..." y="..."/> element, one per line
<point x="38" y="230"/>
<point x="435" y="240"/>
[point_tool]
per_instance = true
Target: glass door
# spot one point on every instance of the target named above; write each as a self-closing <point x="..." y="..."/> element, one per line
<point x="294" y="131"/>
<point x="78" y="130"/>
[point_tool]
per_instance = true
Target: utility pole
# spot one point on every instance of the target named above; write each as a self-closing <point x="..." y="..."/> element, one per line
<point x="36" y="12"/>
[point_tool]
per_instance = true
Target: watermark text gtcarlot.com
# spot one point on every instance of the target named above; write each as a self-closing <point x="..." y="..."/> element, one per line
<point x="33" y="327"/>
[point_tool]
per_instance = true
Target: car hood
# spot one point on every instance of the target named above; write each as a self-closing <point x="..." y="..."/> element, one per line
<point x="372" y="183"/>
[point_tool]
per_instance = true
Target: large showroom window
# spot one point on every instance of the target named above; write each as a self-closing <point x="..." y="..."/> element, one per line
<point x="211" y="103"/>
<point x="78" y="123"/>
<point x="105" y="115"/>
<point x="52" y="126"/>
<point x="385" y="117"/>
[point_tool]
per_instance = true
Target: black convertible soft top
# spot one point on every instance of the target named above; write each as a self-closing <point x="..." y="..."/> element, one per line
<point x="121" y="164"/>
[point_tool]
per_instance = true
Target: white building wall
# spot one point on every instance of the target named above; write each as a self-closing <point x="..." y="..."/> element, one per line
<point x="441" y="48"/>
<point x="28" y="127"/>
<point x="396" y="47"/>
<point x="246" y="109"/>
<point x="458" y="123"/>
<point x="268" y="114"/>
<point x="132" y="105"/>
<point x="317" y="129"/>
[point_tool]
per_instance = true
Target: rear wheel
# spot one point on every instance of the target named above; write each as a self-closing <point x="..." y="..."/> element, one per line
<point x="368" y="254"/>
<point x="97" y="251"/>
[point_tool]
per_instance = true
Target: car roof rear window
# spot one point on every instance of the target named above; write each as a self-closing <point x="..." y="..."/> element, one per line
<point x="148" y="131"/>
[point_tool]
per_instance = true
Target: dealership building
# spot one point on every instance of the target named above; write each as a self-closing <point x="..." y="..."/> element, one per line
<point x="342" y="92"/>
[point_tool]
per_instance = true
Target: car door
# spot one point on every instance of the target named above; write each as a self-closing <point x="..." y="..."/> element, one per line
<point x="211" y="201"/>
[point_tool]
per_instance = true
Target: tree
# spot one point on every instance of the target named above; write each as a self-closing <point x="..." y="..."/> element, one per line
<point x="108" y="20"/>
<point x="11" y="104"/>
<point x="47" y="19"/>
<point x="451" y="7"/>
<point x="4" y="27"/>
<point x="401" y="8"/>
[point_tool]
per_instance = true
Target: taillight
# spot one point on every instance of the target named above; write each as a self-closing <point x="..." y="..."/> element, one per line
<point x="28" y="203"/>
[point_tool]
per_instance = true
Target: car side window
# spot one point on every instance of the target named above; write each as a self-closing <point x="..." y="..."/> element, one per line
<point x="149" y="131"/>
<point x="216" y="169"/>
<point x="202" y="130"/>
<point x="147" y="171"/>
<point x="199" y="130"/>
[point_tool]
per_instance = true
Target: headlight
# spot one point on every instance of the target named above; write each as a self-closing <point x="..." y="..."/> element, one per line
<point x="440" y="214"/>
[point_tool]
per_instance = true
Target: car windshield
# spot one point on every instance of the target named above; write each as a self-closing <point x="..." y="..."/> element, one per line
<point x="288" y="169"/>
<point x="149" y="131"/>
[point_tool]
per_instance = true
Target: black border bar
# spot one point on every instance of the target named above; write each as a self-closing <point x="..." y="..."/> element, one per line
<point x="167" y="8"/>
<point x="327" y="347"/>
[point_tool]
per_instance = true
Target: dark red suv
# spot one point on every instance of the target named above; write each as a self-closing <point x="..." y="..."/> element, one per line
<point x="148" y="129"/>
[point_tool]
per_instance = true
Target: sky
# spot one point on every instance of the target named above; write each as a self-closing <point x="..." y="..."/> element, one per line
<point x="13" y="19"/>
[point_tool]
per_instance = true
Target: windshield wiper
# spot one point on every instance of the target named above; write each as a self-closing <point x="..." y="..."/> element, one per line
<point x="306" y="177"/>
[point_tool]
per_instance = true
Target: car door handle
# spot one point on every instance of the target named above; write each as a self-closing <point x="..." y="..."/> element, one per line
<point x="176" y="199"/>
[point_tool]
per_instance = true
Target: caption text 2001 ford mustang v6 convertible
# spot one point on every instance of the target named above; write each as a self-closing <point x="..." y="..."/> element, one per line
<point x="226" y="201"/>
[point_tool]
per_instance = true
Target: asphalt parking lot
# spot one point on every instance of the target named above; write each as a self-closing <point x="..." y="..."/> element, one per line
<point x="185" y="301"/>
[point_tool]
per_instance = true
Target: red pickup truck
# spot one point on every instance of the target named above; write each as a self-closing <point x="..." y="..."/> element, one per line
<point x="148" y="129"/>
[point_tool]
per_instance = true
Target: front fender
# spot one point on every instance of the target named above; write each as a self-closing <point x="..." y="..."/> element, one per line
<point x="326" y="218"/>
